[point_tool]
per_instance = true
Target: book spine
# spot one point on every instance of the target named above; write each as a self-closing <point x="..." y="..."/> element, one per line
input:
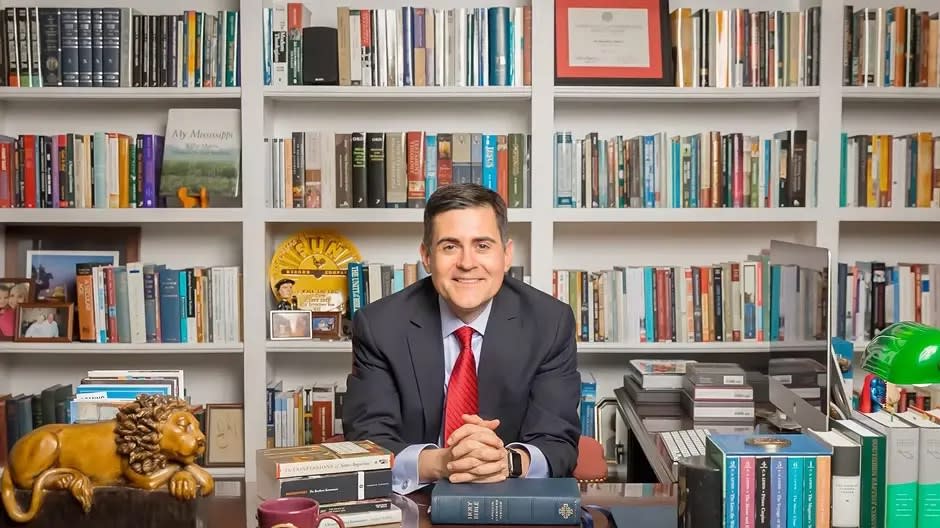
<point x="482" y="509"/>
<point x="795" y="492"/>
<point x="731" y="497"/>
<point x="746" y="487"/>
<point x="97" y="47"/>
<point x="809" y="492"/>
<point x="324" y="467"/>
<point x="341" y="487"/>
<point x="51" y="47"/>
<point x="762" y="488"/>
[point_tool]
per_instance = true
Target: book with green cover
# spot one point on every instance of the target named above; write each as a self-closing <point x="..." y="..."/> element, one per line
<point x="902" y="455"/>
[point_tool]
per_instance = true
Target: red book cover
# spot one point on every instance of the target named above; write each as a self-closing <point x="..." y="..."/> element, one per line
<point x="29" y="170"/>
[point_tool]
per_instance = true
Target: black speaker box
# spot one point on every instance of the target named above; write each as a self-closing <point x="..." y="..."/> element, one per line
<point x="321" y="66"/>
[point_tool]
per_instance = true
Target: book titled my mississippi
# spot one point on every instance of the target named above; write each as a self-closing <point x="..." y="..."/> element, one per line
<point x="555" y="501"/>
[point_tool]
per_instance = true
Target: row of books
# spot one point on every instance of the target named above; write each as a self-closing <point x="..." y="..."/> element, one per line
<point x="312" y="169"/>
<point x="874" y="294"/>
<point x="305" y="415"/>
<point x="370" y="281"/>
<point x="352" y="479"/>
<point x="100" y="169"/>
<point x="740" y="47"/>
<point x="711" y="169"/>
<point x="152" y="303"/>
<point x="748" y="300"/>
<point x="404" y="46"/>
<point x="119" y="47"/>
<point x="890" y="46"/>
<point x="95" y="398"/>
<point x="886" y="170"/>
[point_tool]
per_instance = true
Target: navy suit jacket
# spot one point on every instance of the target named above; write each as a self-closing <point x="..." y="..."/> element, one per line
<point x="527" y="374"/>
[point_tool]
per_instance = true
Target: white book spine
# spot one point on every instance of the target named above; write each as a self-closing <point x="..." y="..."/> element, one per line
<point x="135" y="302"/>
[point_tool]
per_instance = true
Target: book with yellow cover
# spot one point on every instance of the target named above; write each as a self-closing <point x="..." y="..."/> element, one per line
<point x="323" y="459"/>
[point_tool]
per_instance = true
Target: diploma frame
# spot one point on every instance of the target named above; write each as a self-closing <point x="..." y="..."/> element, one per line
<point x="659" y="70"/>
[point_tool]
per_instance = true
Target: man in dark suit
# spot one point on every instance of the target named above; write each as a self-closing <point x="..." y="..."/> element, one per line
<point x="468" y="374"/>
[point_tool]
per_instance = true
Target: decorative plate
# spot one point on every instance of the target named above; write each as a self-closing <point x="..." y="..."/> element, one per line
<point x="317" y="263"/>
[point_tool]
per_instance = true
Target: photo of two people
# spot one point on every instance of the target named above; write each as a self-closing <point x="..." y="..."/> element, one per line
<point x="13" y="292"/>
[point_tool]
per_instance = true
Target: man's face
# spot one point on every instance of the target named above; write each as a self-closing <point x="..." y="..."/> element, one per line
<point x="467" y="259"/>
<point x="286" y="289"/>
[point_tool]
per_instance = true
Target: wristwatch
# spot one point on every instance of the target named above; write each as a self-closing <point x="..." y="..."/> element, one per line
<point x="514" y="459"/>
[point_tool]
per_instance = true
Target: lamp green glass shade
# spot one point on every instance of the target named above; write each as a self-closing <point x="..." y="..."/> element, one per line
<point x="905" y="353"/>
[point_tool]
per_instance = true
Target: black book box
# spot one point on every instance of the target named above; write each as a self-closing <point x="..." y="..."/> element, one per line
<point x="321" y="64"/>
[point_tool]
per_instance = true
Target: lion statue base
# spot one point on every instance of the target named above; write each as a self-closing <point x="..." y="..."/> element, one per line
<point x="151" y="444"/>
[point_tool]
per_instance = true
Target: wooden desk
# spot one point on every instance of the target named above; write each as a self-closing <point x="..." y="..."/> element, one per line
<point x="236" y="504"/>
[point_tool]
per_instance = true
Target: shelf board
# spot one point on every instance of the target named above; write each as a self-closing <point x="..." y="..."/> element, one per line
<point x="117" y="94"/>
<point x="226" y="472"/>
<point x="119" y="216"/>
<point x="695" y="348"/>
<point x="877" y="93"/>
<point x="671" y="94"/>
<point x="366" y="215"/>
<point x="119" y="348"/>
<point x="309" y="346"/>
<point x="697" y="215"/>
<point x="889" y="214"/>
<point x="336" y="347"/>
<point x="399" y="93"/>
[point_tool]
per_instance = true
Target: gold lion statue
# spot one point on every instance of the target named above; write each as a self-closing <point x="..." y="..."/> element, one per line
<point x="152" y="442"/>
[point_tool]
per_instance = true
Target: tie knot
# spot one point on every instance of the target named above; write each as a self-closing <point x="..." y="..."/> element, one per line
<point x="464" y="333"/>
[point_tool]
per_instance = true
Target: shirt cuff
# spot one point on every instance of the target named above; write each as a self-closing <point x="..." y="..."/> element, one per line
<point x="538" y="465"/>
<point x="405" y="471"/>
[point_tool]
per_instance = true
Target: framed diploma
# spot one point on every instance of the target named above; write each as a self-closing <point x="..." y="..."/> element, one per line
<point x="613" y="42"/>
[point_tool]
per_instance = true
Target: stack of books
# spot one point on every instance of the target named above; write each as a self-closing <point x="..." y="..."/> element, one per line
<point x="352" y="479"/>
<point x="717" y="393"/>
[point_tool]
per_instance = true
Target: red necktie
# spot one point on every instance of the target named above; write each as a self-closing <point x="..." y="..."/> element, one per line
<point x="462" y="388"/>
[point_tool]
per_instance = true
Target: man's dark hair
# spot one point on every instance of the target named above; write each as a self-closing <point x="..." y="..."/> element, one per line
<point x="464" y="196"/>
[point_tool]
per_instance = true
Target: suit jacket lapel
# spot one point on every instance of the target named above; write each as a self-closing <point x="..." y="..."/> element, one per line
<point x="427" y="358"/>
<point x="503" y="331"/>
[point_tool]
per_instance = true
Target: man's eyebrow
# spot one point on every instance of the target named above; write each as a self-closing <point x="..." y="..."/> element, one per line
<point x="455" y="241"/>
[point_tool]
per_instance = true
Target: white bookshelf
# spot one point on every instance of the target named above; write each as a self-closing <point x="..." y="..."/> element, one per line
<point x="546" y="238"/>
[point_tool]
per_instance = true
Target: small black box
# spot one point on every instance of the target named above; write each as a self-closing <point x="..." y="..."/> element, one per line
<point x="321" y="62"/>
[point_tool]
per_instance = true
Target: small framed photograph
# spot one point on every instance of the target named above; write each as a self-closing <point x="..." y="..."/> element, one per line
<point x="225" y="435"/>
<point x="53" y="271"/>
<point x="46" y="322"/>
<point x="290" y="324"/>
<point x="13" y="292"/>
<point x="327" y="325"/>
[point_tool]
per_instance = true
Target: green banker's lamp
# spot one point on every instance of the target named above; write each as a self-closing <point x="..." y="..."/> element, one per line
<point x="905" y="353"/>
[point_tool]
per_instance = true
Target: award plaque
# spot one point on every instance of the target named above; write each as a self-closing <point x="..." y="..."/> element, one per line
<point x="317" y="263"/>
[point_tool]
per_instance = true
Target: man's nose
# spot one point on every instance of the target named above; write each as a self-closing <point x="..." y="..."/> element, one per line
<point x="467" y="260"/>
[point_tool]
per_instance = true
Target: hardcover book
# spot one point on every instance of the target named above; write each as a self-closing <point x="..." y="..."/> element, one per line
<point x="549" y="501"/>
<point x="323" y="459"/>
<point x="202" y="149"/>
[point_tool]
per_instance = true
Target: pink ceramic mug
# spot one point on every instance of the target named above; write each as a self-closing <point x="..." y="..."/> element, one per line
<point x="293" y="512"/>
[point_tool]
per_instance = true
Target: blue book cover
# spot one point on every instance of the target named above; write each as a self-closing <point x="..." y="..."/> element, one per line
<point x="548" y="501"/>
<point x="768" y="445"/>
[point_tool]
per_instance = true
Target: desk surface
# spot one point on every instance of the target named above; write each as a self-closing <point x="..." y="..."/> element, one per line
<point x="235" y="503"/>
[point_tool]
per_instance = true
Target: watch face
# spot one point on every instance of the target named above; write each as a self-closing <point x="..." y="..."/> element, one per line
<point x="515" y="463"/>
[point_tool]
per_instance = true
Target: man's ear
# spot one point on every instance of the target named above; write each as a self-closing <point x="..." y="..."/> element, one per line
<point x="508" y="253"/>
<point x="425" y="257"/>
